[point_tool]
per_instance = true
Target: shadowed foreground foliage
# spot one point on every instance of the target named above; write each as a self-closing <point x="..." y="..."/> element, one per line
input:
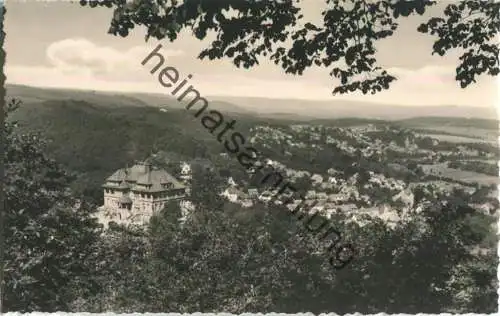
<point x="257" y="260"/>
<point x="46" y="232"/>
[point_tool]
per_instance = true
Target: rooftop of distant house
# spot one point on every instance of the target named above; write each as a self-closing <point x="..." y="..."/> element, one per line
<point x="144" y="177"/>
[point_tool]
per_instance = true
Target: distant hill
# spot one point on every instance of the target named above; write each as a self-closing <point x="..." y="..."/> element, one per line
<point x="455" y="122"/>
<point x="337" y="109"/>
<point x="110" y="99"/>
<point x="94" y="133"/>
<point x="263" y="107"/>
<point x="34" y="95"/>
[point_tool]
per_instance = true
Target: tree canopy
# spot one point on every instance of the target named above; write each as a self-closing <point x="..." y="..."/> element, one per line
<point x="344" y="42"/>
<point x="47" y="230"/>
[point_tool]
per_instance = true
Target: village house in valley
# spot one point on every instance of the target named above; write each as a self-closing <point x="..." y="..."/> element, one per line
<point x="133" y="195"/>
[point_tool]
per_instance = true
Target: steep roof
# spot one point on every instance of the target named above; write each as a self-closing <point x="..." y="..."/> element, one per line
<point x="124" y="185"/>
<point x="117" y="176"/>
<point x="143" y="174"/>
<point x="145" y="179"/>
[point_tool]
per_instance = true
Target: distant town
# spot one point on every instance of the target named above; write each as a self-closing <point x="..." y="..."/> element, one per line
<point x="410" y="159"/>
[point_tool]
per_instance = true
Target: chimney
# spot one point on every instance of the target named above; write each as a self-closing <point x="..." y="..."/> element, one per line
<point x="147" y="167"/>
<point x="147" y="171"/>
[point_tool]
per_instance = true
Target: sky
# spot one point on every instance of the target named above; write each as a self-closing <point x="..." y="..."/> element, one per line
<point x="61" y="44"/>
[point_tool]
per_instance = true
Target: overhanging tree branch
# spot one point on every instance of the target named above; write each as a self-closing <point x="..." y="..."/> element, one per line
<point x="344" y="42"/>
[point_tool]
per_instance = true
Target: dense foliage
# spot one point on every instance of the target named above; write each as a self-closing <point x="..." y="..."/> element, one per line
<point x="476" y="166"/>
<point x="47" y="229"/>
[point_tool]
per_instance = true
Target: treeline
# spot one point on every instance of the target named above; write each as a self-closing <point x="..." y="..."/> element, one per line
<point x="475" y="166"/>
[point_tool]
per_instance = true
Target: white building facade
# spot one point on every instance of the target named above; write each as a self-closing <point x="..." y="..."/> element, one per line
<point x="133" y="195"/>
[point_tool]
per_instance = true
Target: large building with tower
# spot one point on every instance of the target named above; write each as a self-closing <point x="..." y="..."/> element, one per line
<point x="133" y="195"/>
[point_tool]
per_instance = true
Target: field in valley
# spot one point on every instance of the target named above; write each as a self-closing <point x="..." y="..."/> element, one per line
<point x="458" y="138"/>
<point x="456" y="130"/>
<point x="442" y="170"/>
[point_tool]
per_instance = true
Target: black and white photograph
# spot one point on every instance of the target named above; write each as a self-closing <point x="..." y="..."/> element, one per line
<point x="250" y="156"/>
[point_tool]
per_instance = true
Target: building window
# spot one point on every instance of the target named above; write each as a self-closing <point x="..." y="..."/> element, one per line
<point x="168" y="185"/>
<point x="126" y="206"/>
